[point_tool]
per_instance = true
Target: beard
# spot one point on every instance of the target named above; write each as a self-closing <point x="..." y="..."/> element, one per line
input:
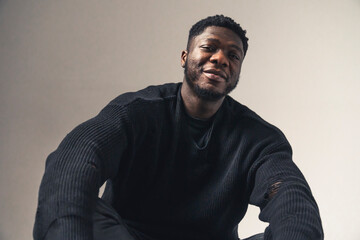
<point x="203" y="93"/>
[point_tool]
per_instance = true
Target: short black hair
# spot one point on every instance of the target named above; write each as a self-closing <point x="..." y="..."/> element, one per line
<point x="218" y="21"/>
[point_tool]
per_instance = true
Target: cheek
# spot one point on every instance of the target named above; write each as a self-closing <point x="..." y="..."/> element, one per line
<point x="198" y="59"/>
<point x="194" y="65"/>
<point x="236" y="70"/>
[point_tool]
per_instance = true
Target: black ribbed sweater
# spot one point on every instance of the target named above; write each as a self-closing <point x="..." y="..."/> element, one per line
<point x="163" y="185"/>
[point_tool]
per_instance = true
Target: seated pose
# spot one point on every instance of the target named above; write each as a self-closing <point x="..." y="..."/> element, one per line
<point x="181" y="161"/>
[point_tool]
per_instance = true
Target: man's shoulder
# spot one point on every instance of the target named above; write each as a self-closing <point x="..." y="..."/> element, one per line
<point x="153" y="93"/>
<point x="248" y="119"/>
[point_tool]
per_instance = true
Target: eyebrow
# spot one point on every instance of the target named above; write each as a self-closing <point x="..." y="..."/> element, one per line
<point x="231" y="45"/>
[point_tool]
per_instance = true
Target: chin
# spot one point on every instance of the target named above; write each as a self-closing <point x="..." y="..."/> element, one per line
<point x="208" y="94"/>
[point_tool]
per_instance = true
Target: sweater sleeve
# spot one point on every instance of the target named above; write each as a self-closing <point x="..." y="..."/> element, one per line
<point x="86" y="157"/>
<point x="284" y="197"/>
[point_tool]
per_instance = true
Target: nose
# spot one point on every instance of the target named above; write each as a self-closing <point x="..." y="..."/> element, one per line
<point x="219" y="58"/>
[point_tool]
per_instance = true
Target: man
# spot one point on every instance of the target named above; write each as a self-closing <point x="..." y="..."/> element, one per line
<point x="181" y="161"/>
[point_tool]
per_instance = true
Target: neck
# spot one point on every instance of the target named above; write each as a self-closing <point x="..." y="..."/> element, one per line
<point x="197" y="107"/>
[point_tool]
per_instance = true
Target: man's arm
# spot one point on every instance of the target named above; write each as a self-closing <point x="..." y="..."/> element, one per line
<point x="284" y="197"/>
<point x="87" y="156"/>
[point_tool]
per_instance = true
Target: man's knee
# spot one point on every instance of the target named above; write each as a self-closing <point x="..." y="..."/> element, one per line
<point x="107" y="223"/>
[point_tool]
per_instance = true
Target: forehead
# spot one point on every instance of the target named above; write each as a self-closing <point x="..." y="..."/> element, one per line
<point x="221" y="34"/>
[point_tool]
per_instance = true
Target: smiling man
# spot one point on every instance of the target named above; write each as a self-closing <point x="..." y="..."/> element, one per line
<point x="212" y="65"/>
<point x="180" y="161"/>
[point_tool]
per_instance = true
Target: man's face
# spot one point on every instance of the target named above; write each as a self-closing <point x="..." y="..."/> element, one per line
<point x="213" y="63"/>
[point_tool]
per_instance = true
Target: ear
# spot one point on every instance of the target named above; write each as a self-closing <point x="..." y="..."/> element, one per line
<point x="183" y="58"/>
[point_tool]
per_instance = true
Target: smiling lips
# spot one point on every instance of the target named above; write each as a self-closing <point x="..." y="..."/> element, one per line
<point x="215" y="75"/>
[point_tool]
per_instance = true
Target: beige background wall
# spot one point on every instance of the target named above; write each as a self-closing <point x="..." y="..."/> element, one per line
<point x="62" y="61"/>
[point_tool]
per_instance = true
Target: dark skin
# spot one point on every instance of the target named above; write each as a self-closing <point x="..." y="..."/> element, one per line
<point x="213" y="64"/>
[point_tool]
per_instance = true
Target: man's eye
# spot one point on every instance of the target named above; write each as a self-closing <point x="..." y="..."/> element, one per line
<point x="234" y="56"/>
<point x="208" y="48"/>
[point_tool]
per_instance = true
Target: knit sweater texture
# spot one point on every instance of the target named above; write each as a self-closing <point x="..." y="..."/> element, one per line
<point x="164" y="185"/>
